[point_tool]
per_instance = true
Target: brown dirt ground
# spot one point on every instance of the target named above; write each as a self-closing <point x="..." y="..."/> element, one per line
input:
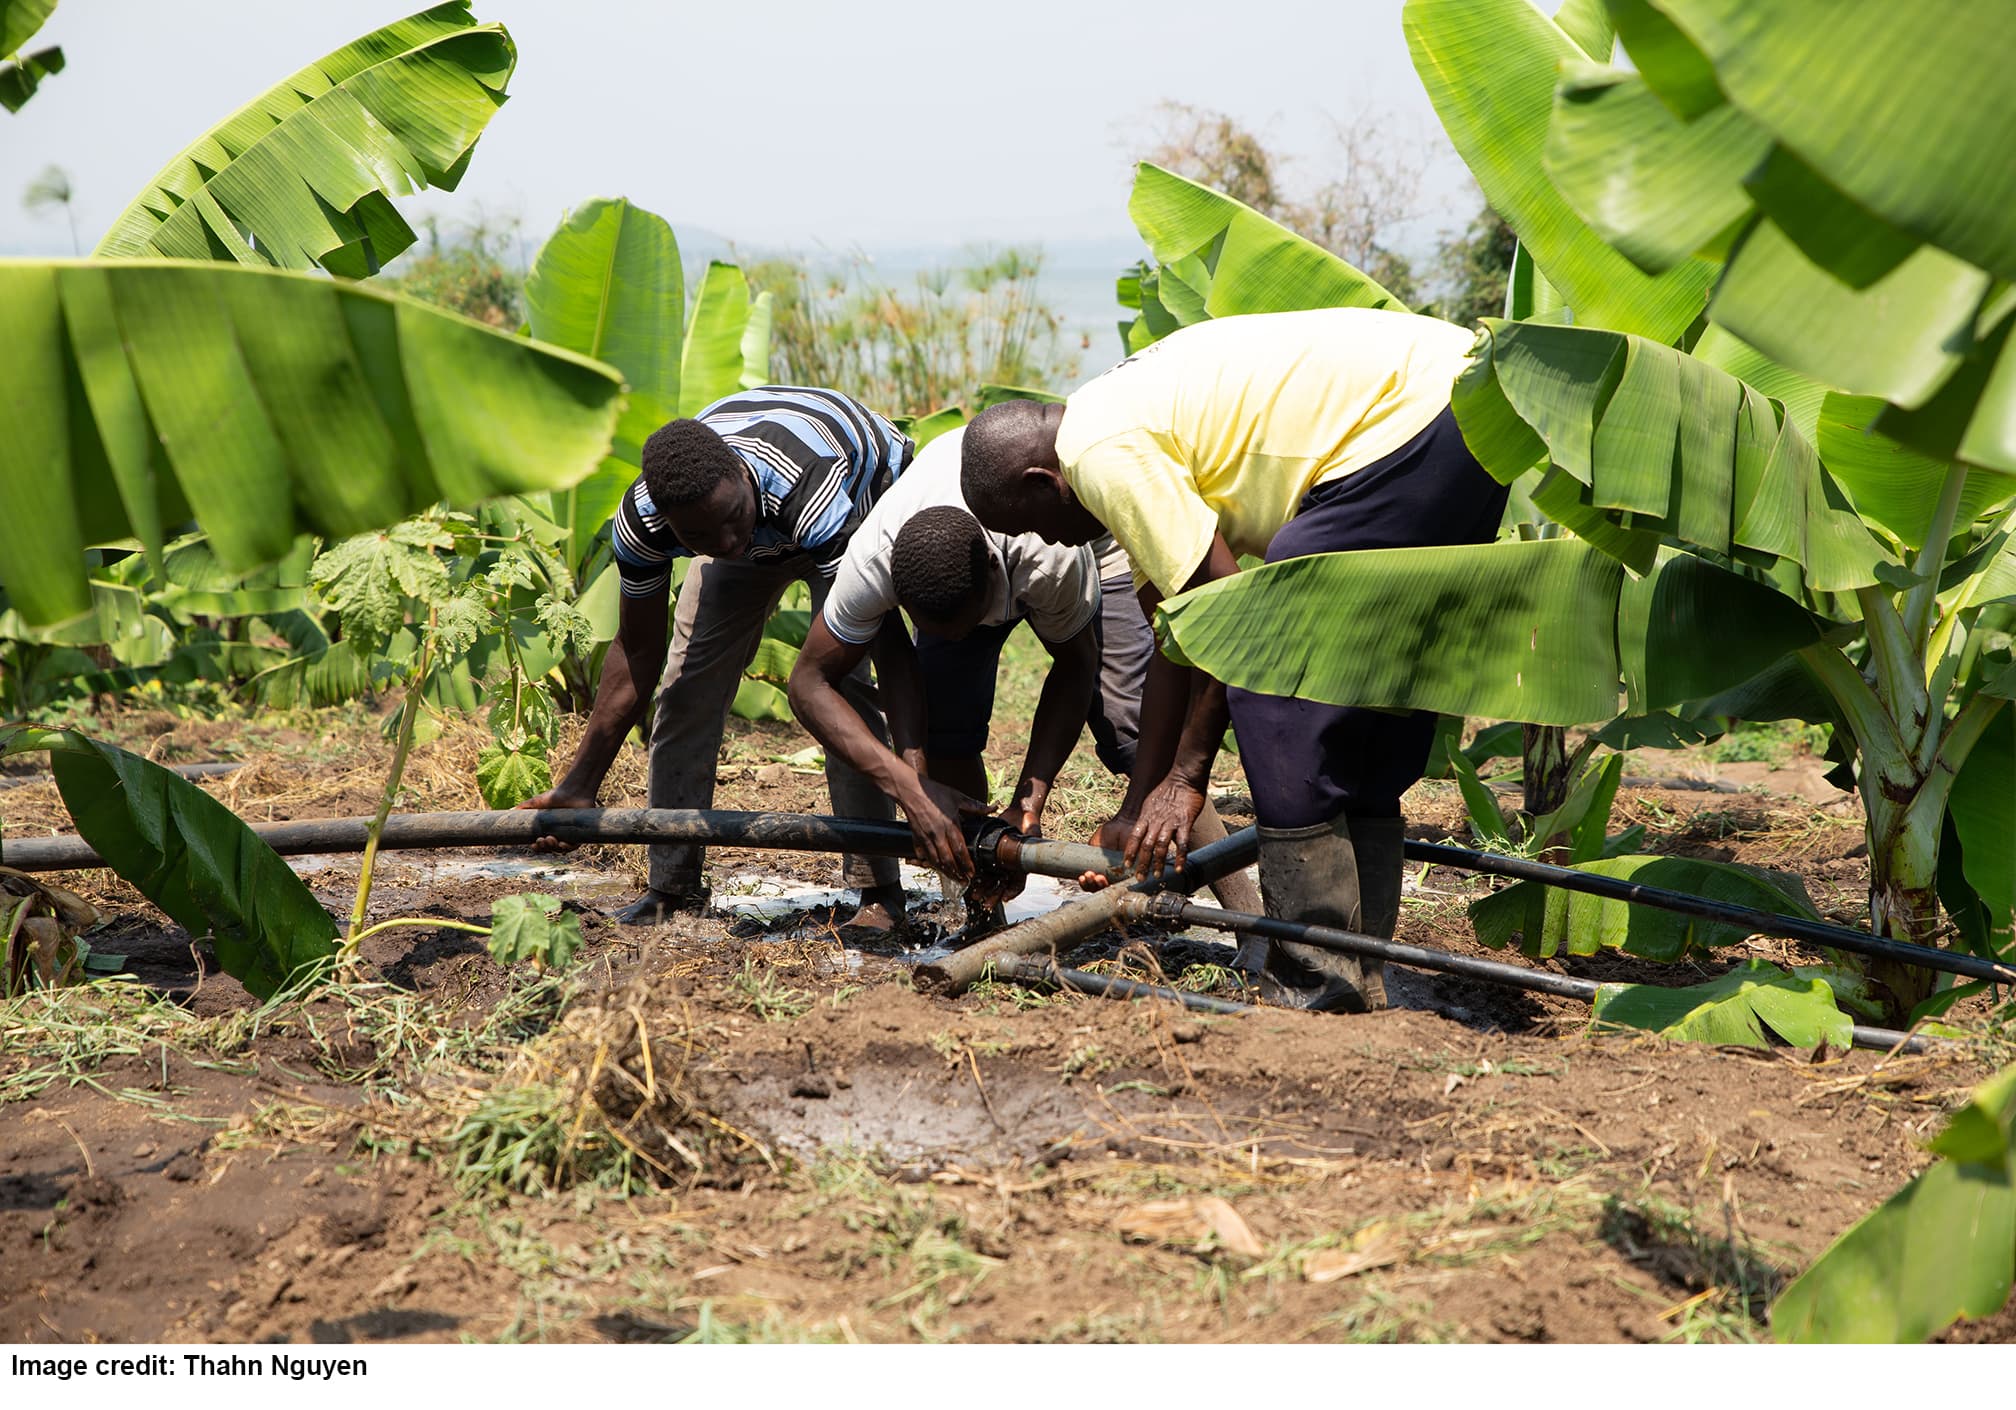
<point x="874" y="1164"/>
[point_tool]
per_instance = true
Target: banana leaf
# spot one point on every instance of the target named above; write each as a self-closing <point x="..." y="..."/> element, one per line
<point x="1941" y="1248"/>
<point x="303" y="174"/>
<point x="608" y="284"/>
<point x="1938" y="70"/>
<point x="1546" y="920"/>
<point x="19" y="21"/>
<point x="1547" y="631"/>
<point x="263" y="404"/>
<point x="1894" y="487"/>
<point x="1654" y="442"/>
<point x="1588" y="23"/>
<point x="189" y="855"/>
<point x="1655" y="187"/>
<point x="1982" y="807"/>
<point x="714" y="359"/>
<point x="1229" y="259"/>
<point x="1733" y="1009"/>
<point x="1489" y="67"/>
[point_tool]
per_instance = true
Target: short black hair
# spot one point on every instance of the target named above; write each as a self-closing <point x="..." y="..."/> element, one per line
<point x="683" y="461"/>
<point x="999" y="445"/>
<point x="940" y="563"/>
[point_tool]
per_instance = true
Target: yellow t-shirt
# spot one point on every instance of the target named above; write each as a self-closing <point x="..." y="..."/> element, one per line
<point x="1222" y="427"/>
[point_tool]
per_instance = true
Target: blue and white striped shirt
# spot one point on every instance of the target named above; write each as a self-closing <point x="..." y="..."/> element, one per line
<point x="820" y="459"/>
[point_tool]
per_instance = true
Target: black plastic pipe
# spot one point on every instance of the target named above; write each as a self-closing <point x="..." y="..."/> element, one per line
<point x="1170" y="908"/>
<point x="1757" y="922"/>
<point x="791" y="832"/>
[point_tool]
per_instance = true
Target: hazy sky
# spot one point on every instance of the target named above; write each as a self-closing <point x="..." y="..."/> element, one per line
<point x="879" y="124"/>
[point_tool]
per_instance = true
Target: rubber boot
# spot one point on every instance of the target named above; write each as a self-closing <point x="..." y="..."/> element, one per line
<point x="1381" y="845"/>
<point x="1311" y="875"/>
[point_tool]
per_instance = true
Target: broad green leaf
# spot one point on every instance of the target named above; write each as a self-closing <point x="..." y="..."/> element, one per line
<point x="191" y="856"/>
<point x="1486" y="822"/>
<point x="1253" y="265"/>
<point x="533" y="927"/>
<point x="20" y="78"/>
<point x="1900" y="338"/>
<point x="1801" y="395"/>
<point x="1514" y="631"/>
<point x="1656" y="442"/>
<point x="1941" y="1248"/>
<point x="302" y="175"/>
<point x="1982" y="806"/>
<point x="1735" y="1009"/>
<point x="608" y="285"/>
<point x="1588" y="24"/>
<point x="1656" y="188"/>
<point x="926" y="429"/>
<point x="1490" y="68"/>
<point x="760" y="700"/>
<point x="19" y="21"/>
<point x="712" y="363"/>
<point x="773" y="660"/>
<point x="266" y="404"/>
<point x="1925" y="156"/>
<point x="507" y="777"/>
<point x="756" y="342"/>
<point x="1972" y="417"/>
<point x="1545" y="920"/>
<point x="1893" y="486"/>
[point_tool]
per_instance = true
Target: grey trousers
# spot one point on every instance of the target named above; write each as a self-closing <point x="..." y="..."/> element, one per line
<point x="716" y="625"/>
<point x="1126" y="644"/>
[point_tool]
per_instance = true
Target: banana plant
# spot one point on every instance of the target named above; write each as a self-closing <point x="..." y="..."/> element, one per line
<point x="609" y="284"/>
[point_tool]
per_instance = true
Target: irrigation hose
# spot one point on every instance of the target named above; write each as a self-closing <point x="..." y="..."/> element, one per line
<point x="792" y="832"/>
<point x="1757" y="922"/>
<point x="1169" y="908"/>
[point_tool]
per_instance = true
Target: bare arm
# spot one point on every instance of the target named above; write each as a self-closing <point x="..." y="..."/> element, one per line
<point x="1183" y="718"/>
<point x="933" y="809"/>
<point x="1060" y="718"/>
<point x="630" y="672"/>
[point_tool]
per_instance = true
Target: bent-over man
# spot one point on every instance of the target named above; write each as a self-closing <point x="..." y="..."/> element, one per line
<point x="966" y="589"/>
<point x="761" y="489"/>
<point x="1275" y="435"/>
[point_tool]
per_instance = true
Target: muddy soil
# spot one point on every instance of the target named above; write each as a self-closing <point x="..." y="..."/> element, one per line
<point x="425" y="1155"/>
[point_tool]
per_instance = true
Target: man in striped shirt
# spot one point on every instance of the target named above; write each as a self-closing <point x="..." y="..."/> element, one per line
<point x="761" y="489"/>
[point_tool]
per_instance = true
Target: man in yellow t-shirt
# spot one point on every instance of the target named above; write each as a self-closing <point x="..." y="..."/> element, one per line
<point x="1276" y="435"/>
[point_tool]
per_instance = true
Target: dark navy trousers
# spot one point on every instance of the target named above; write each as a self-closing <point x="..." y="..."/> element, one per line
<point x="1308" y="762"/>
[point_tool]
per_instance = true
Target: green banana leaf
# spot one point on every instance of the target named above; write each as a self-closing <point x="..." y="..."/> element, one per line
<point x="1548" y="631"/>
<point x="1734" y="1009"/>
<point x="1546" y="920"/>
<point x="21" y="78"/>
<point x="714" y="361"/>
<point x="303" y="174"/>
<point x="1655" y="187"/>
<point x="1489" y="67"/>
<point x="1810" y="70"/>
<point x="189" y="855"/>
<point x="1588" y="23"/>
<point x="263" y="404"/>
<point x="19" y="21"/>
<point x="926" y="429"/>
<point x="1941" y="1248"/>
<point x="1982" y="807"/>
<point x="1894" y="487"/>
<point x="608" y="285"/>
<point x="1651" y="442"/>
<point x="1221" y="257"/>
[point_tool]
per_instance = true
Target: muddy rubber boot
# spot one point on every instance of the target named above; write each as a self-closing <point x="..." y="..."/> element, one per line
<point x="1381" y="845"/>
<point x="1310" y="874"/>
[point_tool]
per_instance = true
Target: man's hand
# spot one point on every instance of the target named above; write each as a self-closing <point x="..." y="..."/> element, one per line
<point x="1162" y="833"/>
<point x="934" y="811"/>
<point x="1111" y="836"/>
<point x="564" y="796"/>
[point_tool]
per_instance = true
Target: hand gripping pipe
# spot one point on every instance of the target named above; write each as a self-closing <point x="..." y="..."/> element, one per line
<point x="1170" y="909"/>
